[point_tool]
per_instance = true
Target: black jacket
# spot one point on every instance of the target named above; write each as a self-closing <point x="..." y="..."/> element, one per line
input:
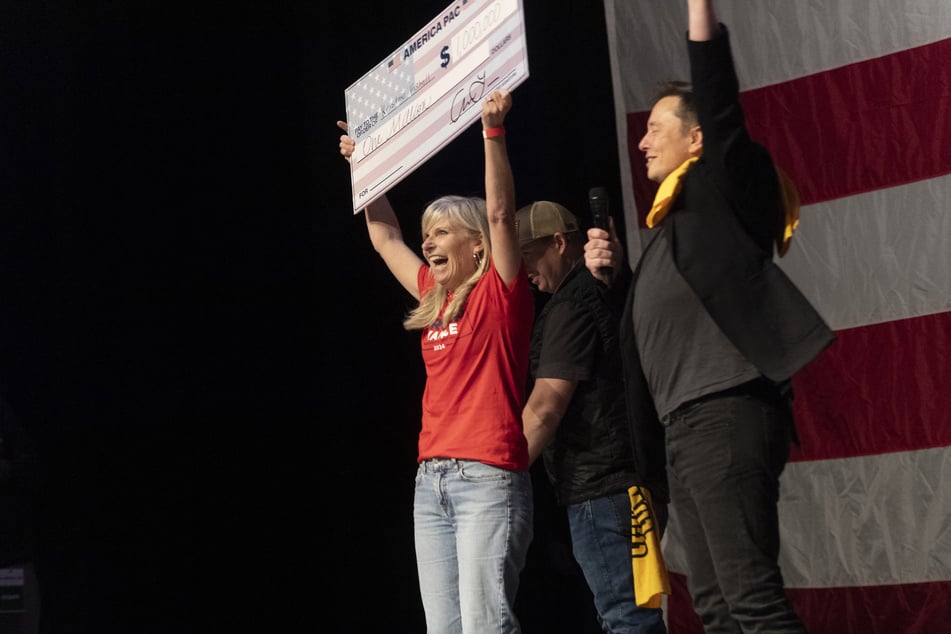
<point x="721" y="228"/>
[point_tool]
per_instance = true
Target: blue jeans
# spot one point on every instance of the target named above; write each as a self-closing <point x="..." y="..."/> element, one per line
<point x="473" y="525"/>
<point x="724" y="457"/>
<point x="601" y="542"/>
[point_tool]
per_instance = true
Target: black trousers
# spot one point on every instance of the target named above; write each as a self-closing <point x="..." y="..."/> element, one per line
<point x="725" y="453"/>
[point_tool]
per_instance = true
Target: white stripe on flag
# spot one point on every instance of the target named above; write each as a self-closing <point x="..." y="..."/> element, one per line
<point x="878" y="256"/>
<point x="870" y="520"/>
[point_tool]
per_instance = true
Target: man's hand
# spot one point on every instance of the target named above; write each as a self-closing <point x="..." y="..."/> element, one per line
<point x="603" y="249"/>
<point x="702" y="20"/>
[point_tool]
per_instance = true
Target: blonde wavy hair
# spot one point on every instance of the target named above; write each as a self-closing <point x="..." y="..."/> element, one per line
<point x="463" y="212"/>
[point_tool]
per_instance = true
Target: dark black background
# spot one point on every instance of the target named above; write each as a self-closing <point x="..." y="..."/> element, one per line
<point x="196" y="330"/>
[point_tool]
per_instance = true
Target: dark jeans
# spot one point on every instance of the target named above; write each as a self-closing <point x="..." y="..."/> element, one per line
<point x="601" y="543"/>
<point x="725" y="454"/>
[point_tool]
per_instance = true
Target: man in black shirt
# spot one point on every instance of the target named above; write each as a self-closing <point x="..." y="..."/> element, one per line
<point x="576" y="417"/>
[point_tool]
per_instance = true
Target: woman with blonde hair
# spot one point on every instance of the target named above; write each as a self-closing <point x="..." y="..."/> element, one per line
<point x="472" y="507"/>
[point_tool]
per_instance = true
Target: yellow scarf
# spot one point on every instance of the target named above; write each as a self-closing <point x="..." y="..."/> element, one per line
<point x="650" y="571"/>
<point x="669" y="189"/>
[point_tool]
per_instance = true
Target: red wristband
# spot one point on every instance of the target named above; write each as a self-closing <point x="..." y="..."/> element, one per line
<point x="488" y="133"/>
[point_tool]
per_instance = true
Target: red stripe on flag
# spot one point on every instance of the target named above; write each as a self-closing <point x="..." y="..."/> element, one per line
<point x="858" y="128"/>
<point x="680" y="615"/>
<point x="877" y="389"/>
<point x="866" y="126"/>
<point x="914" y="608"/>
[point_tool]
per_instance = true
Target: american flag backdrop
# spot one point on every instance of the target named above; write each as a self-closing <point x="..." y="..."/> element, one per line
<point x="853" y="98"/>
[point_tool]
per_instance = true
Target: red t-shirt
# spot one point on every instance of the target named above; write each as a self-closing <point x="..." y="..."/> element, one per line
<point x="476" y="371"/>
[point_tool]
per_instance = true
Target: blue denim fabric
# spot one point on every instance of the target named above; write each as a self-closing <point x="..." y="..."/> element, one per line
<point x="473" y="525"/>
<point x="601" y="542"/>
<point x="724" y="458"/>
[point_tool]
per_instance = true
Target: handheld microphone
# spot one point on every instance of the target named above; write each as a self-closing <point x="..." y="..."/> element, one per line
<point x="600" y="205"/>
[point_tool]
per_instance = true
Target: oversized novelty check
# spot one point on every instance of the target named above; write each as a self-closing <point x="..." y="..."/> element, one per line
<point x="427" y="92"/>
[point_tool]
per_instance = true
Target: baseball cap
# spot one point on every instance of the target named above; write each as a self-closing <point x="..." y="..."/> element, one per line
<point x="542" y="219"/>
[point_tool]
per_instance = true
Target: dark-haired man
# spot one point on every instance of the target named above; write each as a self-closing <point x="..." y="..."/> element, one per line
<point x="712" y="333"/>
